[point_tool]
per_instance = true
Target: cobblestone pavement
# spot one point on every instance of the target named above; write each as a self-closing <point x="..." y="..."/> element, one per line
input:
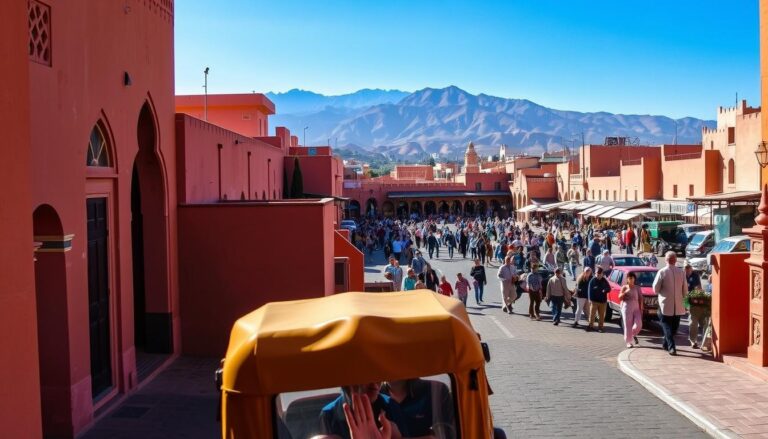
<point x="548" y="381"/>
<point x="558" y="381"/>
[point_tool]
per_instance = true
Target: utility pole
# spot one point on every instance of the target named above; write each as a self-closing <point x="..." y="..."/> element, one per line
<point x="205" y="99"/>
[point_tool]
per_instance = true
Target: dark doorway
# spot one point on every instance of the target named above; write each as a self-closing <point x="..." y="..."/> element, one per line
<point x="52" y="323"/>
<point x="152" y="317"/>
<point x="98" y="296"/>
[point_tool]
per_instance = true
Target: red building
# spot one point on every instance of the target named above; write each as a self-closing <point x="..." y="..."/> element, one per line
<point x="122" y="216"/>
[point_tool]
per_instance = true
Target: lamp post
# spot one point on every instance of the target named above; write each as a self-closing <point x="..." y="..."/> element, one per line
<point x="305" y="136"/>
<point x="205" y="99"/>
<point x="761" y="153"/>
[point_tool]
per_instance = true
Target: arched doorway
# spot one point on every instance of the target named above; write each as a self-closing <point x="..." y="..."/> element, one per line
<point x="444" y="209"/>
<point x="370" y="207"/>
<point x="402" y="209"/>
<point x="481" y="208"/>
<point x="578" y="196"/>
<point x="469" y="207"/>
<point x="430" y="208"/>
<point x="354" y="209"/>
<point x="456" y="207"/>
<point x="496" y="208"/>
<point x="388" y="209"/>
<point x="152" y="309"/>
<point x="416" y="208"/>
<point x="52" y="323"/>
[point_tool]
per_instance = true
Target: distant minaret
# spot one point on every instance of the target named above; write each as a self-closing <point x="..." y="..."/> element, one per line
<point x="471" y="160"/>
<point x="503" y="153"/>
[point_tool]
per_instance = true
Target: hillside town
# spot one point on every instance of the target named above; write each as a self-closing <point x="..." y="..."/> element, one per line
<point x="177" y="266"/>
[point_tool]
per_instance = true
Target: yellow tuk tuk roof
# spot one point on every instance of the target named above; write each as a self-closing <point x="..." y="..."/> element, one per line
<point x="349" y="338"/>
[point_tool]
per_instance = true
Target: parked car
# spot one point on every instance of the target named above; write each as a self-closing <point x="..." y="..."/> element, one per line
<point x="691" y="229"/>
<point x="618" y="278"/>
<point x="732" y="244"/>
<point x="628" y="261"/>
<point x="700" y="244"/>
<point x="350" y="225"/>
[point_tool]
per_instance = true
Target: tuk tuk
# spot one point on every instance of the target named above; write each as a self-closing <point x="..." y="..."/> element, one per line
<point x="291" y="365"/>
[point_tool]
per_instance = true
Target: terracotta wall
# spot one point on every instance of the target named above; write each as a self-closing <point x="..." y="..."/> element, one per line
<point x="20" y="382"/>
<point x="343" y="248"/>
<point x="106" y="65"/>
<point x="235" y="257"/>
<point x="246" y="114"/>
<point x="242" y="168"/>
<point x="730" y="304"/>
<point x="602" y="188"/>
<point x="764" y="76"/>
<point x="322" y="175"/>
<point x="683" y="173"/>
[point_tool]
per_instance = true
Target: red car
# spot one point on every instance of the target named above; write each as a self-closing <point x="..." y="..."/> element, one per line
<point x="645" y="276"/>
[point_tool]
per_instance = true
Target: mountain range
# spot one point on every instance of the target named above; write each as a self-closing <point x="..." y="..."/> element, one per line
<point x="397" y="125"/>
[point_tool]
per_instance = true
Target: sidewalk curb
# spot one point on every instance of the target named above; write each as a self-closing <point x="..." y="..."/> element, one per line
<point x="711" y="427"/>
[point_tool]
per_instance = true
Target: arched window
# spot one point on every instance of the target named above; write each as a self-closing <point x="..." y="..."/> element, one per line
<point x="731" y="172"/>
<point x="98" y="149"/>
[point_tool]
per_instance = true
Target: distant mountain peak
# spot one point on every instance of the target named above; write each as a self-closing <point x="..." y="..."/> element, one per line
<point x="441" y="121"/>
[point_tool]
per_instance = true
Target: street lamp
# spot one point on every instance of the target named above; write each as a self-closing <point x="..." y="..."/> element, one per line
<point x="762" y="154"/>
<point x="205" y="102"/>
<point x="305" y="136"/>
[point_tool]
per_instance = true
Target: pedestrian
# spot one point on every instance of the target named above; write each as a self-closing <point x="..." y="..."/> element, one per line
<point x="606" y="262"/>
<point x="582" y="295"/>
<point x="629" y="240"/>
<point x="397" y="248"/>
<point x="418" y="263"/>
<point x="478" y="274"/>
<point x="631" y="297"/>
<point x="488" y="252"/>
<point x="549" y="259"/>
<point x="418" y="237"/>
<point x="394" y="273"/>
<point x="450" y="242"/>
<point x="445" y="287"/>
<point x="432" y="245"/>
<point x="462" y="288"/>
<point x="507" y="275"/>
<point x="473" y="245"/>
<point x="463" y="243"/>
<point x="699" y="315"/>
<point x="534" y="281"/>
<point x="670" y="286"/>
<point x="557" y="295"/>
<point x="430" y="277"/>
<point x="409" y="282"/>
<point x="573" y="260"/>
<point x="598" y="298"/>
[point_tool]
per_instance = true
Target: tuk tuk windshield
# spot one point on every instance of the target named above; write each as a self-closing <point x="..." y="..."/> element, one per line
<point x="415" y="407"/>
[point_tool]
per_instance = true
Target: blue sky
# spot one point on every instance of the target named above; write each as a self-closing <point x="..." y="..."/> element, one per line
<point x="677" y="58"/>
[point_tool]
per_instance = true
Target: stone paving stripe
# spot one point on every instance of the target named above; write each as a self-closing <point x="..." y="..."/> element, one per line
<point x="711" y="427"/>
<point x="502" y="327"/>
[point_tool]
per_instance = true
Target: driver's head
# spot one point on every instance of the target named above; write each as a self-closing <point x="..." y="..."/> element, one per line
<point x="371" y="390"/>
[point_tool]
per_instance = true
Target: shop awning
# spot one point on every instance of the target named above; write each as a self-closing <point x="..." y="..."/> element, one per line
<point x="552" y="206"/>
<point x="643" y="211"/>
<point x="569" y="206"/>
<point x="612" y="212"/>
<point x="600" y="211"/>
<point x="589" y="210"/>
<point x="528" y="208"/>
<point x="626" y="216"/>
<point x="583" y="206"/>
<point x="727" y="197"/>
<point x="703" y="212"/>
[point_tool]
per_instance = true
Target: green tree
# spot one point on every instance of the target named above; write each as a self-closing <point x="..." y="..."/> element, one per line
<point x="297" y="183"/>
<point x="431" y="161"/>
<point x="286" y="187"/>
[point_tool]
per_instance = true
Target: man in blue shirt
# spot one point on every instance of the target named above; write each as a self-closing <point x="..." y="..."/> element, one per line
<point x="334" y="422"/>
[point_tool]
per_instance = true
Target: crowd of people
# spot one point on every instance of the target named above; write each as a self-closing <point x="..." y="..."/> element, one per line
<point x="533" y="262"/>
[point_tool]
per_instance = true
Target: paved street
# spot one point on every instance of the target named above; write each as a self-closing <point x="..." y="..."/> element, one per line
<point x="548" y="381"/>
<point x="557" y="381"/>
